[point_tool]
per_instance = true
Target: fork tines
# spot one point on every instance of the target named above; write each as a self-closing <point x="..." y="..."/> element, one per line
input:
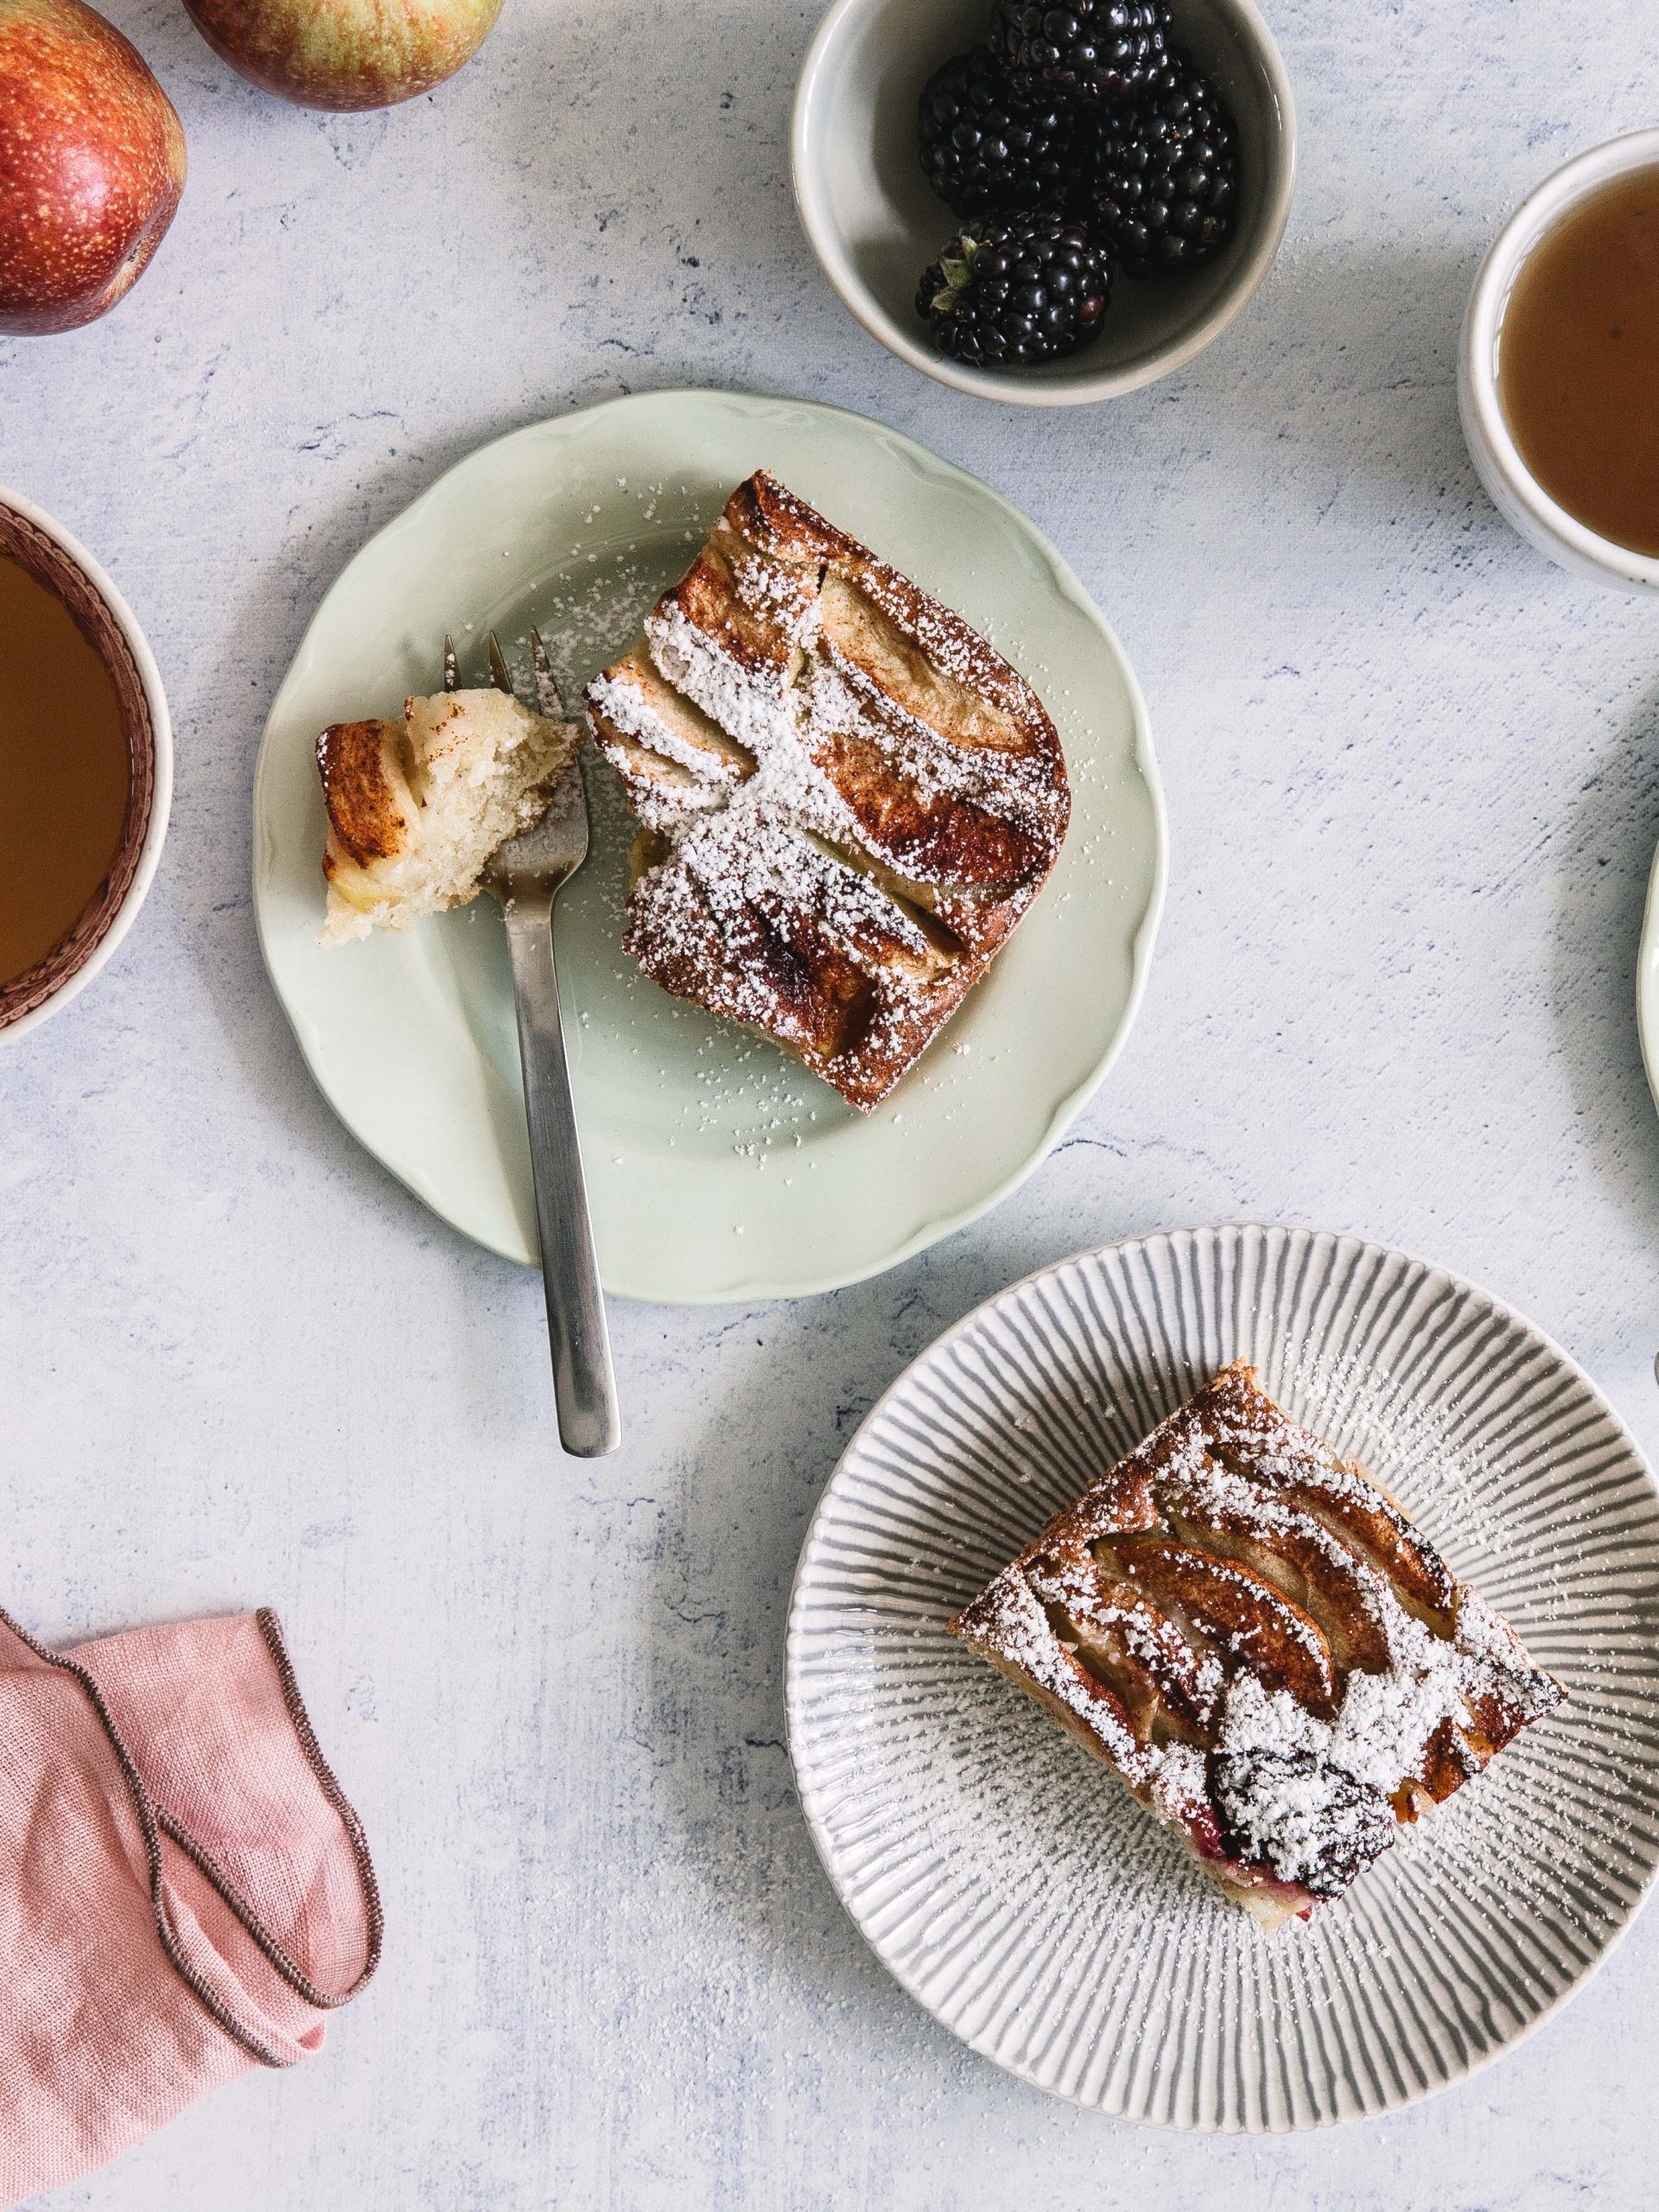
<point x="547" y="701"/>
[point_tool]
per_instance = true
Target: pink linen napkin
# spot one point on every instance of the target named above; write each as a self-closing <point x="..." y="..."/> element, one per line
<point x="184" y="1892"/>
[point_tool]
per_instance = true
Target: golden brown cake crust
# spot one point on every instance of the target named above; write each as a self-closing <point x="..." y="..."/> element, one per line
<point x="1254" y="1636"/>
<point x="769" y="516"/>
<point x="363" y="811"/>
<point x="851" y="798"/>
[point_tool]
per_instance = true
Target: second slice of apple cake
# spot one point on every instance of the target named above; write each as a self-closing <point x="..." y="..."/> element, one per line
<point x="1257" y="1640"/>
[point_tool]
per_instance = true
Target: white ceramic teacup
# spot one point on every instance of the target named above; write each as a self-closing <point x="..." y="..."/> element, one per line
<point x="48" y="552"/>
<point x="1515" y="490"/>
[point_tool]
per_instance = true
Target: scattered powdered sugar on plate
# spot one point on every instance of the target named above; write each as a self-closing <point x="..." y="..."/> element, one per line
<point x="1411" y="1446"/>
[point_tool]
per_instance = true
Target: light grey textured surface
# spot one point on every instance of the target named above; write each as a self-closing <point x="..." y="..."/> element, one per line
<point x="1413" y="792"/>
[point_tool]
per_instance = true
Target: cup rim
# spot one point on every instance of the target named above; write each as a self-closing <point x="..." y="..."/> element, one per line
<point x="102" y="946"/>
<point x="1006" y="385"/>
<point x="1538" y="212"/>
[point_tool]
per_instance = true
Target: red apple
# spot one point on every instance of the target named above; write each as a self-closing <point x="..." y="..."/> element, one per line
<point x="346" y="53"/>
<point x="92" y="165"/>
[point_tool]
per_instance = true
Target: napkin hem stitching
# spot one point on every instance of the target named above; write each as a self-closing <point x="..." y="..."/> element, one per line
<point x="204" y="1863"/>
<point x="152" y="1825"/>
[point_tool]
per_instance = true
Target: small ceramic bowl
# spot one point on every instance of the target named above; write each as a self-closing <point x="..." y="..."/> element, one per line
<point x="48" y="552"/>
<point x="1515" y="490"/>
<point x="874" y="224"/>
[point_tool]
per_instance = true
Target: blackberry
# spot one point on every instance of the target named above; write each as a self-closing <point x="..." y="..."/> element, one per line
<point x="1307" y="1821"/>
<point x="1008" y="293"/>
<point x="986" y="149"/>
<point x="1089" y="50"/>
<point x="1160" y="182"/>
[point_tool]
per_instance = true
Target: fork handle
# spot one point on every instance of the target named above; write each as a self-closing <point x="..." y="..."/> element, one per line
<point x="584" y="1384"/>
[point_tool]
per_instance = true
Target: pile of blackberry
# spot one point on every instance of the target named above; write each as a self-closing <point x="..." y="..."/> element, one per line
<point x="1078" y="141"/>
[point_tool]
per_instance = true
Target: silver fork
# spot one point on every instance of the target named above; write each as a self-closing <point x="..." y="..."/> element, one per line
<point x="525" y="876"/>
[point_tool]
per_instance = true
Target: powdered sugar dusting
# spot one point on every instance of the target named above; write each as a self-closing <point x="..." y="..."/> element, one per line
<point x="1376" y="1684"/>
<point x="768" y="873"/>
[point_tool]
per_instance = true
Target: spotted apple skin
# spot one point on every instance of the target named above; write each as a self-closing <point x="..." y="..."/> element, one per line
<point x="92" y="165"/>
<point x="346" y="53"/>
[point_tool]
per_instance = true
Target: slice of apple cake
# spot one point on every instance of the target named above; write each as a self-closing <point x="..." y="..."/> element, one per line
<point x="847" y="799"/>
<point x="417" y="806"/>
<point x="1257" y="1640"/>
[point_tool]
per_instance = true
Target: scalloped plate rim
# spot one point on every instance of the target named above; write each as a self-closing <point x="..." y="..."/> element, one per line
<point x="314" y="1051"/>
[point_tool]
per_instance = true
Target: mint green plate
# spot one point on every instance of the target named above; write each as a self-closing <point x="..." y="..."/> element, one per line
<point x="717" y="1167"/>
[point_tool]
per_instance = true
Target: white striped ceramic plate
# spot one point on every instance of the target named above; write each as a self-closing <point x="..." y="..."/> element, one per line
<point x="1021" y="1895"/>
